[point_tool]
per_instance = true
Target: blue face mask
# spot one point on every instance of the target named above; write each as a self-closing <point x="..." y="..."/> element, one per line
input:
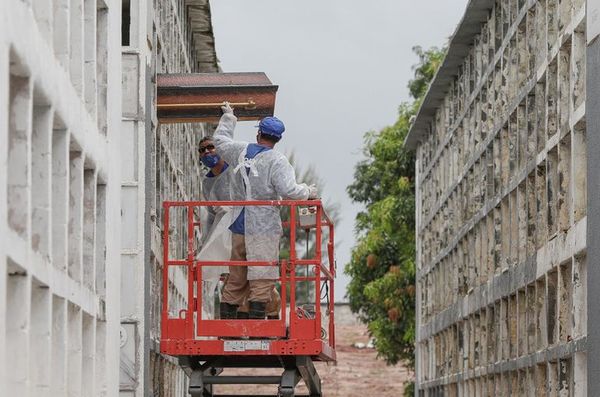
<point x="210" y="160"/>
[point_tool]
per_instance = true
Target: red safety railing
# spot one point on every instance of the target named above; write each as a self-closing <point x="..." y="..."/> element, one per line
<point x="297" y="332"/>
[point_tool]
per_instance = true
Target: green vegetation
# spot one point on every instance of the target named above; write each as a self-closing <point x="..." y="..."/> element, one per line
<point x="382" y="266"/>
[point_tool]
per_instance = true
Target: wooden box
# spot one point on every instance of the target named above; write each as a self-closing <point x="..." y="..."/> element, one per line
<point x="197" y="97"/>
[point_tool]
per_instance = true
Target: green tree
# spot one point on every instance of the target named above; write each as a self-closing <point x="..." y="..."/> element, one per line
<point x="382" y="266"/>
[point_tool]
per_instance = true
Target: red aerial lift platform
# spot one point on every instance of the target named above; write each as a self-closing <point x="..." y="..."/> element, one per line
<point x="304" y="333"/>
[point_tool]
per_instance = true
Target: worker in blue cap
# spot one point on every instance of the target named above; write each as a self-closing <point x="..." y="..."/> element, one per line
<point x="261" y="173"/>
<point x="216" y="241"/>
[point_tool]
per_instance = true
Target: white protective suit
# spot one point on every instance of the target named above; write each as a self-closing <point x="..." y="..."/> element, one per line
<point x="216" y="241"/>
<point x="216" y="188"/>
<point x="216" y="244"/>
<point x="270" y="177"/>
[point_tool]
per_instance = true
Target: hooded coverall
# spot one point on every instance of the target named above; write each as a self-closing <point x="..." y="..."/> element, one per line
<point x="267" y="176"/>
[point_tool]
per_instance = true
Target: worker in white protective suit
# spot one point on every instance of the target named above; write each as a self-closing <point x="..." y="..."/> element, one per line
<point x="216" y="186"/>
<point x="261" y="173"/>
<point x="216" y="237"/>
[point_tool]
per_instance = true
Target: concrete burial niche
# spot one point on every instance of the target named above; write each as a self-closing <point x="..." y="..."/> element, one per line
<point x="197" y="97"/>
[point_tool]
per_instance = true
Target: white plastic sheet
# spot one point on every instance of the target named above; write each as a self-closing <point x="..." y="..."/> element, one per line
<point x="216" y="247"/>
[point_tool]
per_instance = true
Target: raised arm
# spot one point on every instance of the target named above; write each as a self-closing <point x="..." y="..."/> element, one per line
<point x="223" y="137"/>
<point x="225" y="129"/>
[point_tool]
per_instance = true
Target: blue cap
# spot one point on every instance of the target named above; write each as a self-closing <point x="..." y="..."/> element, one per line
<point x="271" y="126"/>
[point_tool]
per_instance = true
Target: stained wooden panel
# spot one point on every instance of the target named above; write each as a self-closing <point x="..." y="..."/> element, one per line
<point x="197" y="97"/>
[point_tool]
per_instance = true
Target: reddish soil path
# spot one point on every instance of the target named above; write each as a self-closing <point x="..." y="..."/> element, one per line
<point x="358" y="372"/>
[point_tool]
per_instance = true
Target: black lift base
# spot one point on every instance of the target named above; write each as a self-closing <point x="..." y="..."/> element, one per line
<point x="205" y="372"/>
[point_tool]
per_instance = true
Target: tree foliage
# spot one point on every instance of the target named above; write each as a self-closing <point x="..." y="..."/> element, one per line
<point x="382" y="266"/>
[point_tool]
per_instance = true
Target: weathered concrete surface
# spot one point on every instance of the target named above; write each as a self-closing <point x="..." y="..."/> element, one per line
<point x="502" y="227"/>
<point x="593" y="127"/>
<point x="159" y="163"/>
<point x="59" y="197"/>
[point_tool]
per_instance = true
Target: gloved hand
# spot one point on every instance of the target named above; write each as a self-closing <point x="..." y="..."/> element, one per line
<point x="226" y="108"/>
<point x="313" y="193"/>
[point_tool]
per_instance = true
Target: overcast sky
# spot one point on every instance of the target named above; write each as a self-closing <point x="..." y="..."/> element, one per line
<point x="342" y="67"/>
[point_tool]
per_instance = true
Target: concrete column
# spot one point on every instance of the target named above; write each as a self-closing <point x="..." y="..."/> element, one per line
<point x="593" y="192"/>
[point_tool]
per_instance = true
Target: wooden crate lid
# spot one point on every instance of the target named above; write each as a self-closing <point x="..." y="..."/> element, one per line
<point x="197" y="97"/>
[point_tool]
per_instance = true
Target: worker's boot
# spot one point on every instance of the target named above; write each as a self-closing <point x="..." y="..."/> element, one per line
<point x="257" y="310"/>
<point x="227" y="311"/>
<point x="242" y="315"/>
<point x="273" y="317"/>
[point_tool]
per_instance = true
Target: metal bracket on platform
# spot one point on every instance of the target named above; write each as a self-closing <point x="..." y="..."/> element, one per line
<point x="307" y="370"/>
<point x="289" y="380"/>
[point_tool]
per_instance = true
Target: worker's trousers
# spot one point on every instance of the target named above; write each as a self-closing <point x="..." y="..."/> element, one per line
<point x="238" y="289"/>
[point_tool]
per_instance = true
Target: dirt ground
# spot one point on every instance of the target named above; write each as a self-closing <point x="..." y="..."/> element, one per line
<point x="358" y="372"/>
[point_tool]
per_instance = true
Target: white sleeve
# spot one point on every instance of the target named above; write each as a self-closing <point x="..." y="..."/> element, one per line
<point x="207" y="186"/>
<point x="225" y="129"/>
<point x="227" y="148"/>
<point x="284" y="181"/>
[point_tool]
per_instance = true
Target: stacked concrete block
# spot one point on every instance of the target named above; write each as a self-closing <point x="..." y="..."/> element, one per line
<point x="502" y="205"/>
<point x="59" y="198"/>
<point x="85" y="170"/>
<point x="159" y="163"/>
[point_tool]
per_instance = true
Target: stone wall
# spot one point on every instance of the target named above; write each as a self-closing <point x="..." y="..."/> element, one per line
<point x="59" y="197"/>
<point x="501" y="211"/>
<point x="160" y="163"/>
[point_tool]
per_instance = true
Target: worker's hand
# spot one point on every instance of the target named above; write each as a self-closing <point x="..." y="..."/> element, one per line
<point x="313" y="193"/>
<point x="226" y="108"/>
